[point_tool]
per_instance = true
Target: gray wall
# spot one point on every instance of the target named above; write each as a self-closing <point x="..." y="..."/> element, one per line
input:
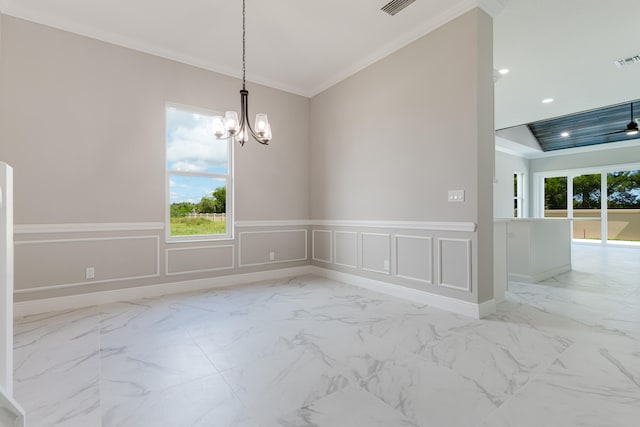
<point x="82" y="123"/>
<point x="586" y="160"/>
<point x="387" y="144"/>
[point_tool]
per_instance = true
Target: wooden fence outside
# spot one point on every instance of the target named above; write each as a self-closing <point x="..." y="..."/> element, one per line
<point x="216" y="217"/>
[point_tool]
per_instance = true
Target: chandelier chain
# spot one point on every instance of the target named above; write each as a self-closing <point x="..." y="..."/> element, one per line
<point x="244" y="38"/>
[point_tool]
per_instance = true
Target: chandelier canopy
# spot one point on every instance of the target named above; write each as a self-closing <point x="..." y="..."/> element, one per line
<point x="230" y="126"/>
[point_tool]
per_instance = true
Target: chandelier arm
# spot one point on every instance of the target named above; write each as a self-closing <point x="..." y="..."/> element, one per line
<point x="244" y="105"/>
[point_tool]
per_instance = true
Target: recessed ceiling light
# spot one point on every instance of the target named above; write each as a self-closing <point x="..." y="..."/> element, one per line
<point x="547" y="100"/>
<point x="564" y="134"/>
<point x="503" y="71"/>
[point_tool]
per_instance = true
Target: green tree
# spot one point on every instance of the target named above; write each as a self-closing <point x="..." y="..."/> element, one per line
<point x="555" y="193"/>
<point x="181" y="209"/>
<point x="215" y="204"/>
<point x="220" y="199"/>
<point x="586" y="191"/>
<point x="206" y="205"/>
<point x="623" y="189"/>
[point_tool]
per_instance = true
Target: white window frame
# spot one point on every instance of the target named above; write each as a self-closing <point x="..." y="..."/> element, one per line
<point x="229" y="210"/>
<point x="538" y="191"/>
<point x="519" y="197"/>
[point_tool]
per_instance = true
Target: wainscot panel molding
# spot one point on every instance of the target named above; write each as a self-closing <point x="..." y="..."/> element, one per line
<point x="414" y="258"/>
<point x="454" y="256"/>
<point x="376" y="252"/>
<point x="321" y="249"/>
<point x="274" y="223"/>
<point x="345" y="246"/>
<point x="86" y="227"/>
<point x="469" y="309"/>
<point x="25" y="308"/>
<point x="255" y="247"/>
<point x="198" y="259"/>
<point x="103" y="253"/>
<point x="468" y="227"/>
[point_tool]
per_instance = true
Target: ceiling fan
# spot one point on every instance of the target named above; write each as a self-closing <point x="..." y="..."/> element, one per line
<point x="632" y="126"/>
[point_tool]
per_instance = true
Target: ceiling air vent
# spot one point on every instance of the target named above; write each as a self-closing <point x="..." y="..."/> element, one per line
<point x="395" y="6"/>
<point x="627" y="61"/>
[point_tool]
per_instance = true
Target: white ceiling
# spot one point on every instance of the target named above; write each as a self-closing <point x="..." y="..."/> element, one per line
<point x="554" y="48"/>
<point x="564" y="49"/>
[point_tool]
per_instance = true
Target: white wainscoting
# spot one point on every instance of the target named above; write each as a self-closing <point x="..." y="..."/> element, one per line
<point x="198" y="259"/>
<point x="62" y="262"/>
<point x="345" y="244"/>
<point x="454" y="270"/>
<point x="435" y="261"/>
<point x="321" y="249"/>
<point x="255" y="247"/>
<point x="414" y="258"/>
<point x="87" y="227"/>
<point x="376" y="252"/>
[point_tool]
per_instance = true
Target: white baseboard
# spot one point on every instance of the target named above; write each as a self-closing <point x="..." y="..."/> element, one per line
<point x="539" y="276"/>
<point x="476" y="311"/>
<point x="45" y="305"/>
<point x="12" y="409"/>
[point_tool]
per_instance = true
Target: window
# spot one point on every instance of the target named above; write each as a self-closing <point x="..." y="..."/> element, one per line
<point x="518" y="195"/>
<point x="587" y="203"/>
<point x="555" y="197"/>
<point x="199" y="178"/>
<point x="604" y="202"/>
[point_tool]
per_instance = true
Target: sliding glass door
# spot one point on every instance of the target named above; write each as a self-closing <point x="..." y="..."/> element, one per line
<point x="604" y="204"/>
<point x="555" y="197"/>
<point x="623" y="206"/>
<point x="587" y="202"/>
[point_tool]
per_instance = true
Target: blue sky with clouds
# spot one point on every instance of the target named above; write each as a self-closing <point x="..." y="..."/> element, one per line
<point x="191" y="147"/>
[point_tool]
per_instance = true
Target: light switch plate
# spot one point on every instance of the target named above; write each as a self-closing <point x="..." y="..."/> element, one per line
<point x="456" y="196"/>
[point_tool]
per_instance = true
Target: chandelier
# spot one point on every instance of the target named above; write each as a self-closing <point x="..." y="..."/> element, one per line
<point x="229" y="126"/>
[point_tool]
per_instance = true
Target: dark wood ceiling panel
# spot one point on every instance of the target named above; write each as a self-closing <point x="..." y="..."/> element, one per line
<point x="586" y="128"/>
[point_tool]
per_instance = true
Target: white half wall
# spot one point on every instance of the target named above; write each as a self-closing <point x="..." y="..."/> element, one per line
<point x="6" y="278"/>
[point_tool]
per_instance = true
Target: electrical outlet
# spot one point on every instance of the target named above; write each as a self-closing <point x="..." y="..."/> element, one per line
<point x="90" y="273"/>
<point x="272" y="256"/>
<point x="386" y="265"/>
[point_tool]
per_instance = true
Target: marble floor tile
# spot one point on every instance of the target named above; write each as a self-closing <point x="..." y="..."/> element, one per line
<point x="431" y="395"/>
<point x="56" y="368"/>
<point x="349" y="407"/>
<point x="309" y="351"/>
<point x="499" y="357"/>
<point x="589" y="385"/>
<point x="205" y="402"/>
<point x="275" y="386"/>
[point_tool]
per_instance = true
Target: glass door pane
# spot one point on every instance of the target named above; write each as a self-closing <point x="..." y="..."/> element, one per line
<point x="587" y="210"/>
<point x="555" y="197"/>
<point x="623" y="202"/>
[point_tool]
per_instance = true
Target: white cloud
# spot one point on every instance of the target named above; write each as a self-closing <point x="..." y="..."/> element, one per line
<point x="195" y="149"/>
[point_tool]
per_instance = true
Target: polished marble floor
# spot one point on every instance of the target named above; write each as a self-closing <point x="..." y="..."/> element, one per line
<point x="309" y="351"/>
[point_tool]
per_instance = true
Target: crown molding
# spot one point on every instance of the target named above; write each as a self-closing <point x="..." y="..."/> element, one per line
<point x="18" y="11"/>
<point x="430" y="25"/>
<point x="492" y="7"/>
<point x="13" y="8"/>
